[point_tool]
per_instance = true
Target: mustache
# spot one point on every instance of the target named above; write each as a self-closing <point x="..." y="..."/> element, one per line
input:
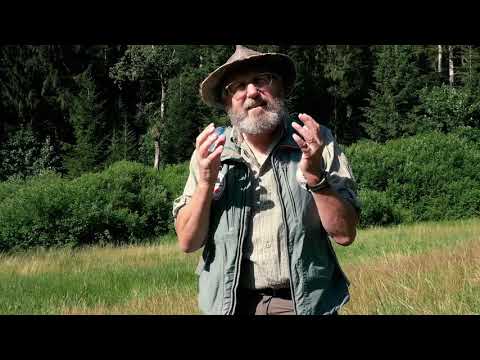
<point x="251" y="103"/>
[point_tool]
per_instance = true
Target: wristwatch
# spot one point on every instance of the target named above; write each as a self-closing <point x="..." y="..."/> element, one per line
<point x="321" y="185"/>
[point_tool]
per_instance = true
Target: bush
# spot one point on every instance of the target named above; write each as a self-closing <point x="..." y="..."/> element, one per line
<point x="24" y="155"/>
<point x="174" y="178"/>
<point x="125" y="203"/>
<point x="9" y="187"/>
<point x="445" y="108"/>
<point x="426" y="177"/>
<point x="378" y="209"/>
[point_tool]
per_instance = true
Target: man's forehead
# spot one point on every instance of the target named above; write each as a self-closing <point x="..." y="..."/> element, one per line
<point x="246" y="72"/>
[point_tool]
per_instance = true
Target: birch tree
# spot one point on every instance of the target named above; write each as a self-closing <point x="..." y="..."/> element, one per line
<point x="155" y="65"/>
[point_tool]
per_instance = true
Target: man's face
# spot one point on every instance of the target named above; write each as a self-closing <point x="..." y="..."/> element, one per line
<point x="254" y="101"/>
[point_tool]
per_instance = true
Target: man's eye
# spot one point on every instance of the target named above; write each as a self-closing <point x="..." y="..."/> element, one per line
<point x="261" y="80"/>
<point x="237" y="87"/>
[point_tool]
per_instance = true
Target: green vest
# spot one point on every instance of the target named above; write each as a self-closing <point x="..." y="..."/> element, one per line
<point x="318" y="284"/>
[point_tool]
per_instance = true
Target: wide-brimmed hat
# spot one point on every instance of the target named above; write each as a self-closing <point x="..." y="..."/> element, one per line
<point x="210" y="88"/>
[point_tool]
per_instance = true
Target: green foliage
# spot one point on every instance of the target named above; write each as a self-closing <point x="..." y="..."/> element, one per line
<point x="147" y="62"/>
<point x="445" y="108"/>
<point x="123" y="143"/>
<point x="395" y="94"/>
<point x="86" y="119"/>
<point x="426" y="177"/>
<point x="23" y="155"/>
<point x="174" y="178"/>
<point x="126" y="203"/>
<point x="469" y="70"/>
<point x="347" y="73"/>
<point x="9" y="187"/>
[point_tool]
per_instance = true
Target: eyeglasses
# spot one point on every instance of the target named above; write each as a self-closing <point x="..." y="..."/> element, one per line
<point x="237" y="89"/>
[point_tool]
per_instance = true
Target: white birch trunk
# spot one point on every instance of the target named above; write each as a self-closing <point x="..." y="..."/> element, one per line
<point x="156" y="163"/>
<point x="440" y="54"/>
<point x="451" y="69"/>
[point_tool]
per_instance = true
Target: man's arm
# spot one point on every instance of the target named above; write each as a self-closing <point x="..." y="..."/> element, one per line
<point x="338" y="216"/>
<point x="192" y="220"/>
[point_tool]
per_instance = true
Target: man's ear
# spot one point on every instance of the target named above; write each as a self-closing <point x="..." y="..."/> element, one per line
<point x="281" y="89"/>
<point x="226" y="104"/>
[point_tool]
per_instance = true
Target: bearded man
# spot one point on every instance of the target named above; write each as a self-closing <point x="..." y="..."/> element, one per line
<point x="266" y="198"/>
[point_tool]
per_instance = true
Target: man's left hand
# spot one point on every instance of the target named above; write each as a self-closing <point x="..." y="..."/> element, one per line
<point x="311" y="143"/>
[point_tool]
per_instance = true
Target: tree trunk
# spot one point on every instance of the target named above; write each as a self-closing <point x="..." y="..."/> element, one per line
<point x="156" y="163"/>
<point x="469" y="64"/>
<point x="440" y="53"/>
<point x="162" y="103"/>
<point x="451" y="69"/>
<point x="125" y="137"/>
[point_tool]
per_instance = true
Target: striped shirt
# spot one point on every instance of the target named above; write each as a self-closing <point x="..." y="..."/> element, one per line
<point x="265" y="259"/>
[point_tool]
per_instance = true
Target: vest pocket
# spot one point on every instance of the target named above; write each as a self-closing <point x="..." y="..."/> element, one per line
<point x="211" y="269"/>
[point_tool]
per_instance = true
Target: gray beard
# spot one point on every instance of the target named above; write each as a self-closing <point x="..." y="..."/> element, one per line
<point x="265" y="123"/>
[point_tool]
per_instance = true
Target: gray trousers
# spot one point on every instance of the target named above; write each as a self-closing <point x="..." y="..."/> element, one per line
<point x="259" y="304"/>
<point x="250" y="304"/>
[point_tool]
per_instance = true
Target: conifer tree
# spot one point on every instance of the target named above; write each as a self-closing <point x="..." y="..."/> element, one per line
<point x="86" y="119"/>
<point x="395" y="93"/>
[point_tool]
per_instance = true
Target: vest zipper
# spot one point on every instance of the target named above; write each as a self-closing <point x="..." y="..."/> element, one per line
<point x="238" y="259"/>
<point x="284" y="216"/>
<point x="290" y="193"/>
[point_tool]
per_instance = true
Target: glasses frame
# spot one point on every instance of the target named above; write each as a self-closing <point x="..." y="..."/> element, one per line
<point x="227" y="90"/>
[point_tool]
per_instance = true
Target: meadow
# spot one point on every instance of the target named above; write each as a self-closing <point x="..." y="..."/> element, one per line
<point x="426" y="268"/>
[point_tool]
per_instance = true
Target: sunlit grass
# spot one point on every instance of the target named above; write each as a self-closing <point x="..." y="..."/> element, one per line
<point x="443" y="281"/>
<point x="430" y="268"/>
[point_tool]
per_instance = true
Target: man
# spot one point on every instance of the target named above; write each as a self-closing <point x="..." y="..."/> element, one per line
<point x="265" y="203"/>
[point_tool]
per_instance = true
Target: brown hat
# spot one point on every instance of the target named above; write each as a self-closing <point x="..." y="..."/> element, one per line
<point x="278" y="63"/>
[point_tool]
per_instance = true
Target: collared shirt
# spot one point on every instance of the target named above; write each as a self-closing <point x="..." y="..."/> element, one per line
<point x="265" y="260"/>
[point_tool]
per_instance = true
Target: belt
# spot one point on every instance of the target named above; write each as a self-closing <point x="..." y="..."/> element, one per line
<point x="283" y="293"/>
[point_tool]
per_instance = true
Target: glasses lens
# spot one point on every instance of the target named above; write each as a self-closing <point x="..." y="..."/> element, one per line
<point x="233" y="88"/>
<point x="263" y="80"/>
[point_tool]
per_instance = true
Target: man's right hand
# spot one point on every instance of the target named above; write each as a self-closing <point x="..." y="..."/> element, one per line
<point x="208" y="163"/>
<point x="193" y="219"/>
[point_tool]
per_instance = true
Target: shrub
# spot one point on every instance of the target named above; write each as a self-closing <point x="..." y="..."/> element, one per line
<point x="425" y="177"/>
<point x="174" y="178"/>
<point x="24" y="155"/>
<point x="445" y="108"/>
<point x="125" y="203"/>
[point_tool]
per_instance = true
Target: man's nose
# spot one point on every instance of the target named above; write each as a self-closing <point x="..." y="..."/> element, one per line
<point x="252" y="91"/>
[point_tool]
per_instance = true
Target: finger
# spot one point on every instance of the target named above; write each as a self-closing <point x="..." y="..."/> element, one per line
<point x="301" y="143"/>
<point x="309" y="121"/>
<point x="204" y="135"/>
<point x="312" y="125"/>
<point x="220" y="141"/>
<point x="216" y="153"/>
<point x="304" y="131"/>
<point x="203" y="149"/>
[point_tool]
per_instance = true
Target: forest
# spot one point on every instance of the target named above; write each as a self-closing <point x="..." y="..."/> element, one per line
<point x="81" y="112"/>
<point x="76" y="108"/>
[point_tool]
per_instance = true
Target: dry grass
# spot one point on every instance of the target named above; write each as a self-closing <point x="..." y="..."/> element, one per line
<point x="163" y="302"/>
<point x="418" y="269"/>
<point x="87" y="259"/>
<point x="445" y="281"/>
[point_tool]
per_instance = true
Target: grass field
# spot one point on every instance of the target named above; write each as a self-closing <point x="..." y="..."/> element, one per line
<point x="430" y="268"/>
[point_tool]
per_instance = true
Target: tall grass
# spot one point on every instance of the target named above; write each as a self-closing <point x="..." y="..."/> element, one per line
<point x="431" y="268"/>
